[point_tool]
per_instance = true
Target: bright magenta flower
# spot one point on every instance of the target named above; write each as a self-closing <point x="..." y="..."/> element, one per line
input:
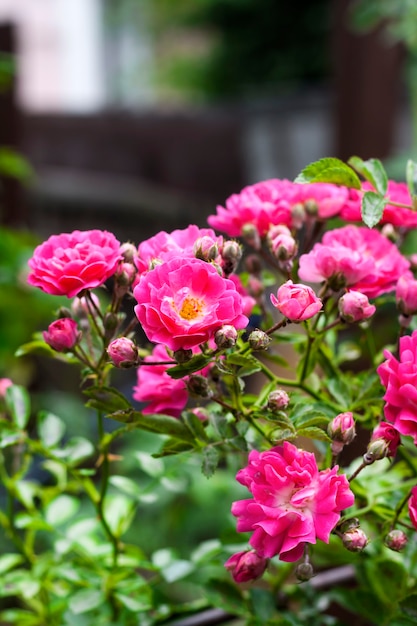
<point x="412" y="507"/>
<point x="66" y="264"/>
<point x="246" y="565"/>
<point x="385" y="440"/>
<point x="356" y="257"/>
<point x="182" y="303"/>
<point x="406" y="295"/>
<point x="155" y="386"/>
<point x="293" y="503"/>
<point x="296" y="302"/>
<point x="399" y="377"/>
<point x="62" y="335"/>
<point x="164" y="246"/>
<point x="329" y="198"/>
<point x="397" y="216"/>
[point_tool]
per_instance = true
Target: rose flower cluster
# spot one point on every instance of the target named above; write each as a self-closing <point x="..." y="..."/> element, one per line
<point x="191" y="303"/>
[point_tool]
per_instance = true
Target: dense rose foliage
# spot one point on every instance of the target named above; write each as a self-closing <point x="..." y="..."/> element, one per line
<point x="164" y="246"/>
<point x="397" y="216"/>
<point x="293" y="503"/>
<point x="182" y="303"/>
<point x="296" y="302"/>
<point x="357" y="257"/>
<point x="155" y="387"/>
<point x="66" y="264"/>
<point x="399" y="377"/>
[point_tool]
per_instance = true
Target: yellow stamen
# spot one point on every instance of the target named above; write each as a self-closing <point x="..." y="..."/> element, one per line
<point x="191" y="308"/>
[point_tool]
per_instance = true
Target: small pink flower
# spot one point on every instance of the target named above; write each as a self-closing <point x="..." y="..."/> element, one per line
<point x="246" y="566"/>
<point x="155" y="387"/>
<point x="66" y="264"/>
<point x="397" y="216"/>
<point x="5" y="383"/>
<point x="123" y="352"/>
<point x="354" y="306"/>
<point x="412" y="507"/>
<point x="355" y="257"/>
<point x="385" y="440"/>
<point x="296" y="302"/>
<point x="62" y="335"/>
<point x="342" y="428"/>
<point x="182" y="303"/>
<point x="293" y="503"/>
<point x="399" y="377"/>
<point x="281" y="243"/>
<point x="406" y="294"/>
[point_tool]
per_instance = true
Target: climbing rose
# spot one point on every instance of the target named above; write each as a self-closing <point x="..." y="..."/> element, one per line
<point x="182" y="303"/>
<point x="296" y="302"/>
<point x="412" y="507"/>
<point x="399" y="377"/>
<point x="293" y="503"/>
<point x="246" y="565"/>
<point x="395" y="215"/>
<point x="155" y="386"/>
<point x="356" y="257"/>
<point x="62" y="335"/>
<point x="66" y="264"/>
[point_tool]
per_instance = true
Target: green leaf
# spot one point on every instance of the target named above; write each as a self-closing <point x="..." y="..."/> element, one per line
<point x="119" y="513"/>
<point x="313" y="433"/>
<point x="14" y="164"/>
<point x="126" y="485"/>
<point x="226" y="596"/>
<point x="211" y="459"/>
<point x="373" y="171"/>
<point x="38" y="347"/>
<point x="340" y="390"/>
<point x="151" y="466"/>
<point x="195" y="426"/>
<point x="9" y="561"/>
<point x="61" y="509"/>
<point x="195" y="364"/>
<point x="383" y="574"/>
<point x="18" y="404"/>
<point x="106" y="399"/>
<point x="86" y="600"/>
<point x="51" y="428"/>
<point x="173" y="446"/>
<point x="156" y="423"/>
<point x="177" y="570"/>
<point x="329" y="170"/>
<point x="372" y="208"/>
<point x="411" y="178"/>
<point x="76" y="450"/>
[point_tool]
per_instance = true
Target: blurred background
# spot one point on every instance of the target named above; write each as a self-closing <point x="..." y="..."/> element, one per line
<point x="137" y="115"/>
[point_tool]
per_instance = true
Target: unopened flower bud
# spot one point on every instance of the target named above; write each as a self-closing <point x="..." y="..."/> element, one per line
<point x="129" y="252"/>
<point x="396" y="540"/>
<point x="110" y="323"/>
<point x="384" y="441"/>
<point x="79" y="306"/>
<point x="341" y="430"/>
<point x="354" y="306"/>
<point x="355" y="540"/>
<point x="389" y="232"/>
<point x="246" y="566"/>
<point x="206" y="248"/>
<point x="304" y="571"/>
<point x="311" y="207"/>
<point x="251" y="235"/>
<point x="183" y="355"/>
<point x="406" y="295"/>
<point x="255" y="287"/>
<point x="298" y="215"/>
<point x="253" y="264"/>
<point x="123" y="352"/>
<point x="64" y="311"/>
<point x="281" y="243"/>
<point x="125" y="274"/>
<point x="199" y="386"/>
<point x="225" y="337"/>
<point x="258" y="340"/>
<point x="201" y="413"/>
<point x="231" y="254"/>
<point x="278" y="400"/>
<point x="62" y="335"/>
<point x="349" y="524"/>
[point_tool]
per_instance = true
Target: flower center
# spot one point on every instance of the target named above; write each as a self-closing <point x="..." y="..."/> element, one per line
<point x="191" y="308"/>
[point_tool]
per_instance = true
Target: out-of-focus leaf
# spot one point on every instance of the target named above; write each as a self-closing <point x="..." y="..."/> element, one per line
<point x="329" y="170"/>
<point x="372" y="208"/>
<point x="18" y="403"/>
<point x="106" y="399"/>
<point x="373" y="171"/>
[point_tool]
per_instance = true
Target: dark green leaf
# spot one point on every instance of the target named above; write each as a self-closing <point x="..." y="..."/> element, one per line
<point x="313" y="433"/>
<point x="329" y="170"/>
<point x="373" y="171"/>
<point x="195" y="426"/>
<point x="226" y="596"/>
<point x="383" y="574"/>
<point x="195" y="364"/>
<point x="372" y="208"/>
<point x="409" y="606"/>
<point x="106" y="399"/>
<point x="340" y="390"/>
<point x="18" y="403"/>
<point x="173" y="446"/>
<point x="211" y="458"/>
<point x="156" y="423"/>
<point x="263" y="604"/>
<point x="282" y="434"/>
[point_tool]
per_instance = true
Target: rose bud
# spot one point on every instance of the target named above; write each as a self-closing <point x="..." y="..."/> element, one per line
<point x="384" y="441"/>
<point x="206" y="248"/>
<point x="354" y="307"/>
<point x="396" y="540"/>
<point x="304" y="571"/>
<point x="258" y="340"/>
<point x="251" y="235"/>
<point x="355" y="540"/>
<point x="225" y="337"/>
<point x="246" y="566"/>
<point x="183" y="355"/>
<point x="278" y="400"/>
<point x="129" y="252"/>
<point x="406" y="295"/>
<point x="281" y="243"/>
<point x="198" y="385"/>
<point x="231" y="255"/>
<point x="298" y="215"/>
<point x="123" y="352"/>
<point x="296" y="302"/>
<point x="342" y="431"/>
<point x="62" y="335"/>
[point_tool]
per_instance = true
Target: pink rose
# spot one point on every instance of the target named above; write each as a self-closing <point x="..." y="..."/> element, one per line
<point x="342" y="428"/>
<point x="354" y="306"/>
<point x="260" y="205"/>
<point x="329" y="198"/>
<point x="406" y="295"/>
<point x="399" y="377"/>
<point x="385" y="440"/>
<point x="62" y="335"/>
<point x="296" y="302"/>
<point x="246" y="565"/>
<point x="412" y="507"/>
<point x="123" y="352"/>
<point x="164" y="246"/>
<point x="357" y="257"/>
<point x="293" y="503"/>
<point x="397" y="216"/>
<point x="66" y="264"/>
<point x="182" y="303"/>
<point x="162" y="393"/>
